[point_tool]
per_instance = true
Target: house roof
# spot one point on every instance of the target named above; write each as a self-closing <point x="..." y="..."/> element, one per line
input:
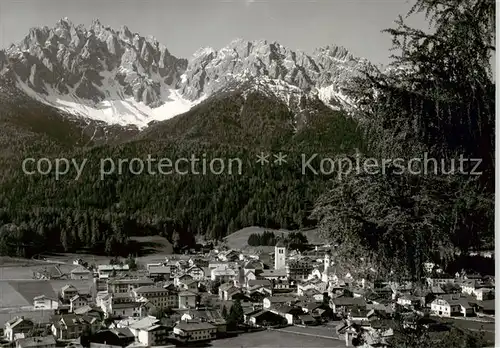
<point x="69" y="320"/>
<point x="144" y="323"/>
<point x="253" y="264"/>
<point x="43" y="297"/>
<point x="343" y="301"/>
<point x="360" y="313"/>
<point x="122" y="332"/>
<point x="281" y="299"/>
<point x="80" y="269"/>
<point x="68" y="287"/>
<point x="306" y="317"/>
<point x="204" y="314"/>
<point x="169" y="285"/>
<point x="194" y="267"/>
<point x="149" y="289"/>
<point x="223" y="271"/>
<point x="273" y="273"/>
<point x="116" y="281"/>
<point x="186" y="293"/>
<point x="18" y="320"/>
<point x="312" y="292"/>
<point x="86" y="309"/>
<point x="153" y="328"/>
<point x="188" y="281"/>
<point x="113" y="267"/>
<point x="257" y="313"/>
<point x="409" y="297"/>
<point x="312" y="306"/>
<point x="194" y="326"/>
<point x="76" y="297"/>
<point x="159" y="270"/>
<point x="437" y="290"/>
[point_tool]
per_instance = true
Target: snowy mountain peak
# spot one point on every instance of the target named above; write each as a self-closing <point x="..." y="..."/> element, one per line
<point x="122" y="77"/>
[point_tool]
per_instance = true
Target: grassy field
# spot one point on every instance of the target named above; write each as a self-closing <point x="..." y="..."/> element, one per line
<point x="6" y="261"/>
<point x="275" y="339"/>
<point x="38" y="316"/>
<point x="239" y="239"/>
<point x="152" y="249"/>
<point x="20" y="293"/>
<point x="26" y="271"/>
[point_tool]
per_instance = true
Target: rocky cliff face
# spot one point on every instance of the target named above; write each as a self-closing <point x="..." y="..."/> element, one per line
<point x="73" y="59"/>
<point x="209" y="70"/>
<point x="121" y="77"/>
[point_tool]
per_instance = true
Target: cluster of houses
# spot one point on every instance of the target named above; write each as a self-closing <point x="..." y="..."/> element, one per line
<point x="183" y="299"/>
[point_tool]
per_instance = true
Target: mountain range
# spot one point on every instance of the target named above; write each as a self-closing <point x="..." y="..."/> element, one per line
<point x="91" y="93"/>
<point x="122" y="78"/>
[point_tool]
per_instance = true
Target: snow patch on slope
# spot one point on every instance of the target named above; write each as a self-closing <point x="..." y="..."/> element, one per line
<point x="333" y="98"/>
<point x="117" y="108"/>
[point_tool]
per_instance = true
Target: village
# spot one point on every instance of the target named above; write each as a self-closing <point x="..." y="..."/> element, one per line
<point x="219" y="294"/>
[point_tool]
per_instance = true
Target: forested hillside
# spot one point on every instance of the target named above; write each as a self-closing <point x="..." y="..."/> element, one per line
<point x="42" y="213"/>
<point x="438" y="100"/>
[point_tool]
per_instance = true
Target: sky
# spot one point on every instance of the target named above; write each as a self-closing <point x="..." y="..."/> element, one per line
<point x="186" y="25"/>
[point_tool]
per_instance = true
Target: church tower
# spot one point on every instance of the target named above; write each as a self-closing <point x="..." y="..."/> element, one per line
<point x="325" y="276"/>
<point x="327" y="262"/>
<point x="280" y="255"/>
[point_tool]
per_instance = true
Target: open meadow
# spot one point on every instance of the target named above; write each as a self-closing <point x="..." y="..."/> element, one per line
<point x="149" y="249"/>
<point x="239" y="239"/>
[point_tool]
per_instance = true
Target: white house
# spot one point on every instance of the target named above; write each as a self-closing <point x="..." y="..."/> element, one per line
<point x="316" y="284"/>
<point x="440" y="279"/>
<point x="126" y="285"/>
<point x="152" y="336"/>
<point x="191" y="285"/>
<point x="68" y="291"/>
<point x="105" y="271"/>
<point x="197" y="273"/>
<point x="227" y="291"/>
<point x="148" y="331"/>
<point x="81" y="273"/>
<point x="223" y="275"/>
<point x="44" y="302"/>
<point x="446" y="308"/>
<point x="271" y="274"/>
<point x="481" y="290"/>
<point x="468" y="286"/>
<point x="16" y="326"/>
<point x="78" y="262"/>
<point x="126" y="309"/>
<point x="407" y="300"/>
<point x="76" y="302"/>
<point x="187" y="331"/>
<point x="187" y="299"/>
<point x="182" y="278"/>
<point x="276" y="300"/>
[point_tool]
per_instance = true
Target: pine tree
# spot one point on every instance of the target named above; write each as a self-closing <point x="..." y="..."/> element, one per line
<point x="438" y="99"/>
<point x="236" y="315"/>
